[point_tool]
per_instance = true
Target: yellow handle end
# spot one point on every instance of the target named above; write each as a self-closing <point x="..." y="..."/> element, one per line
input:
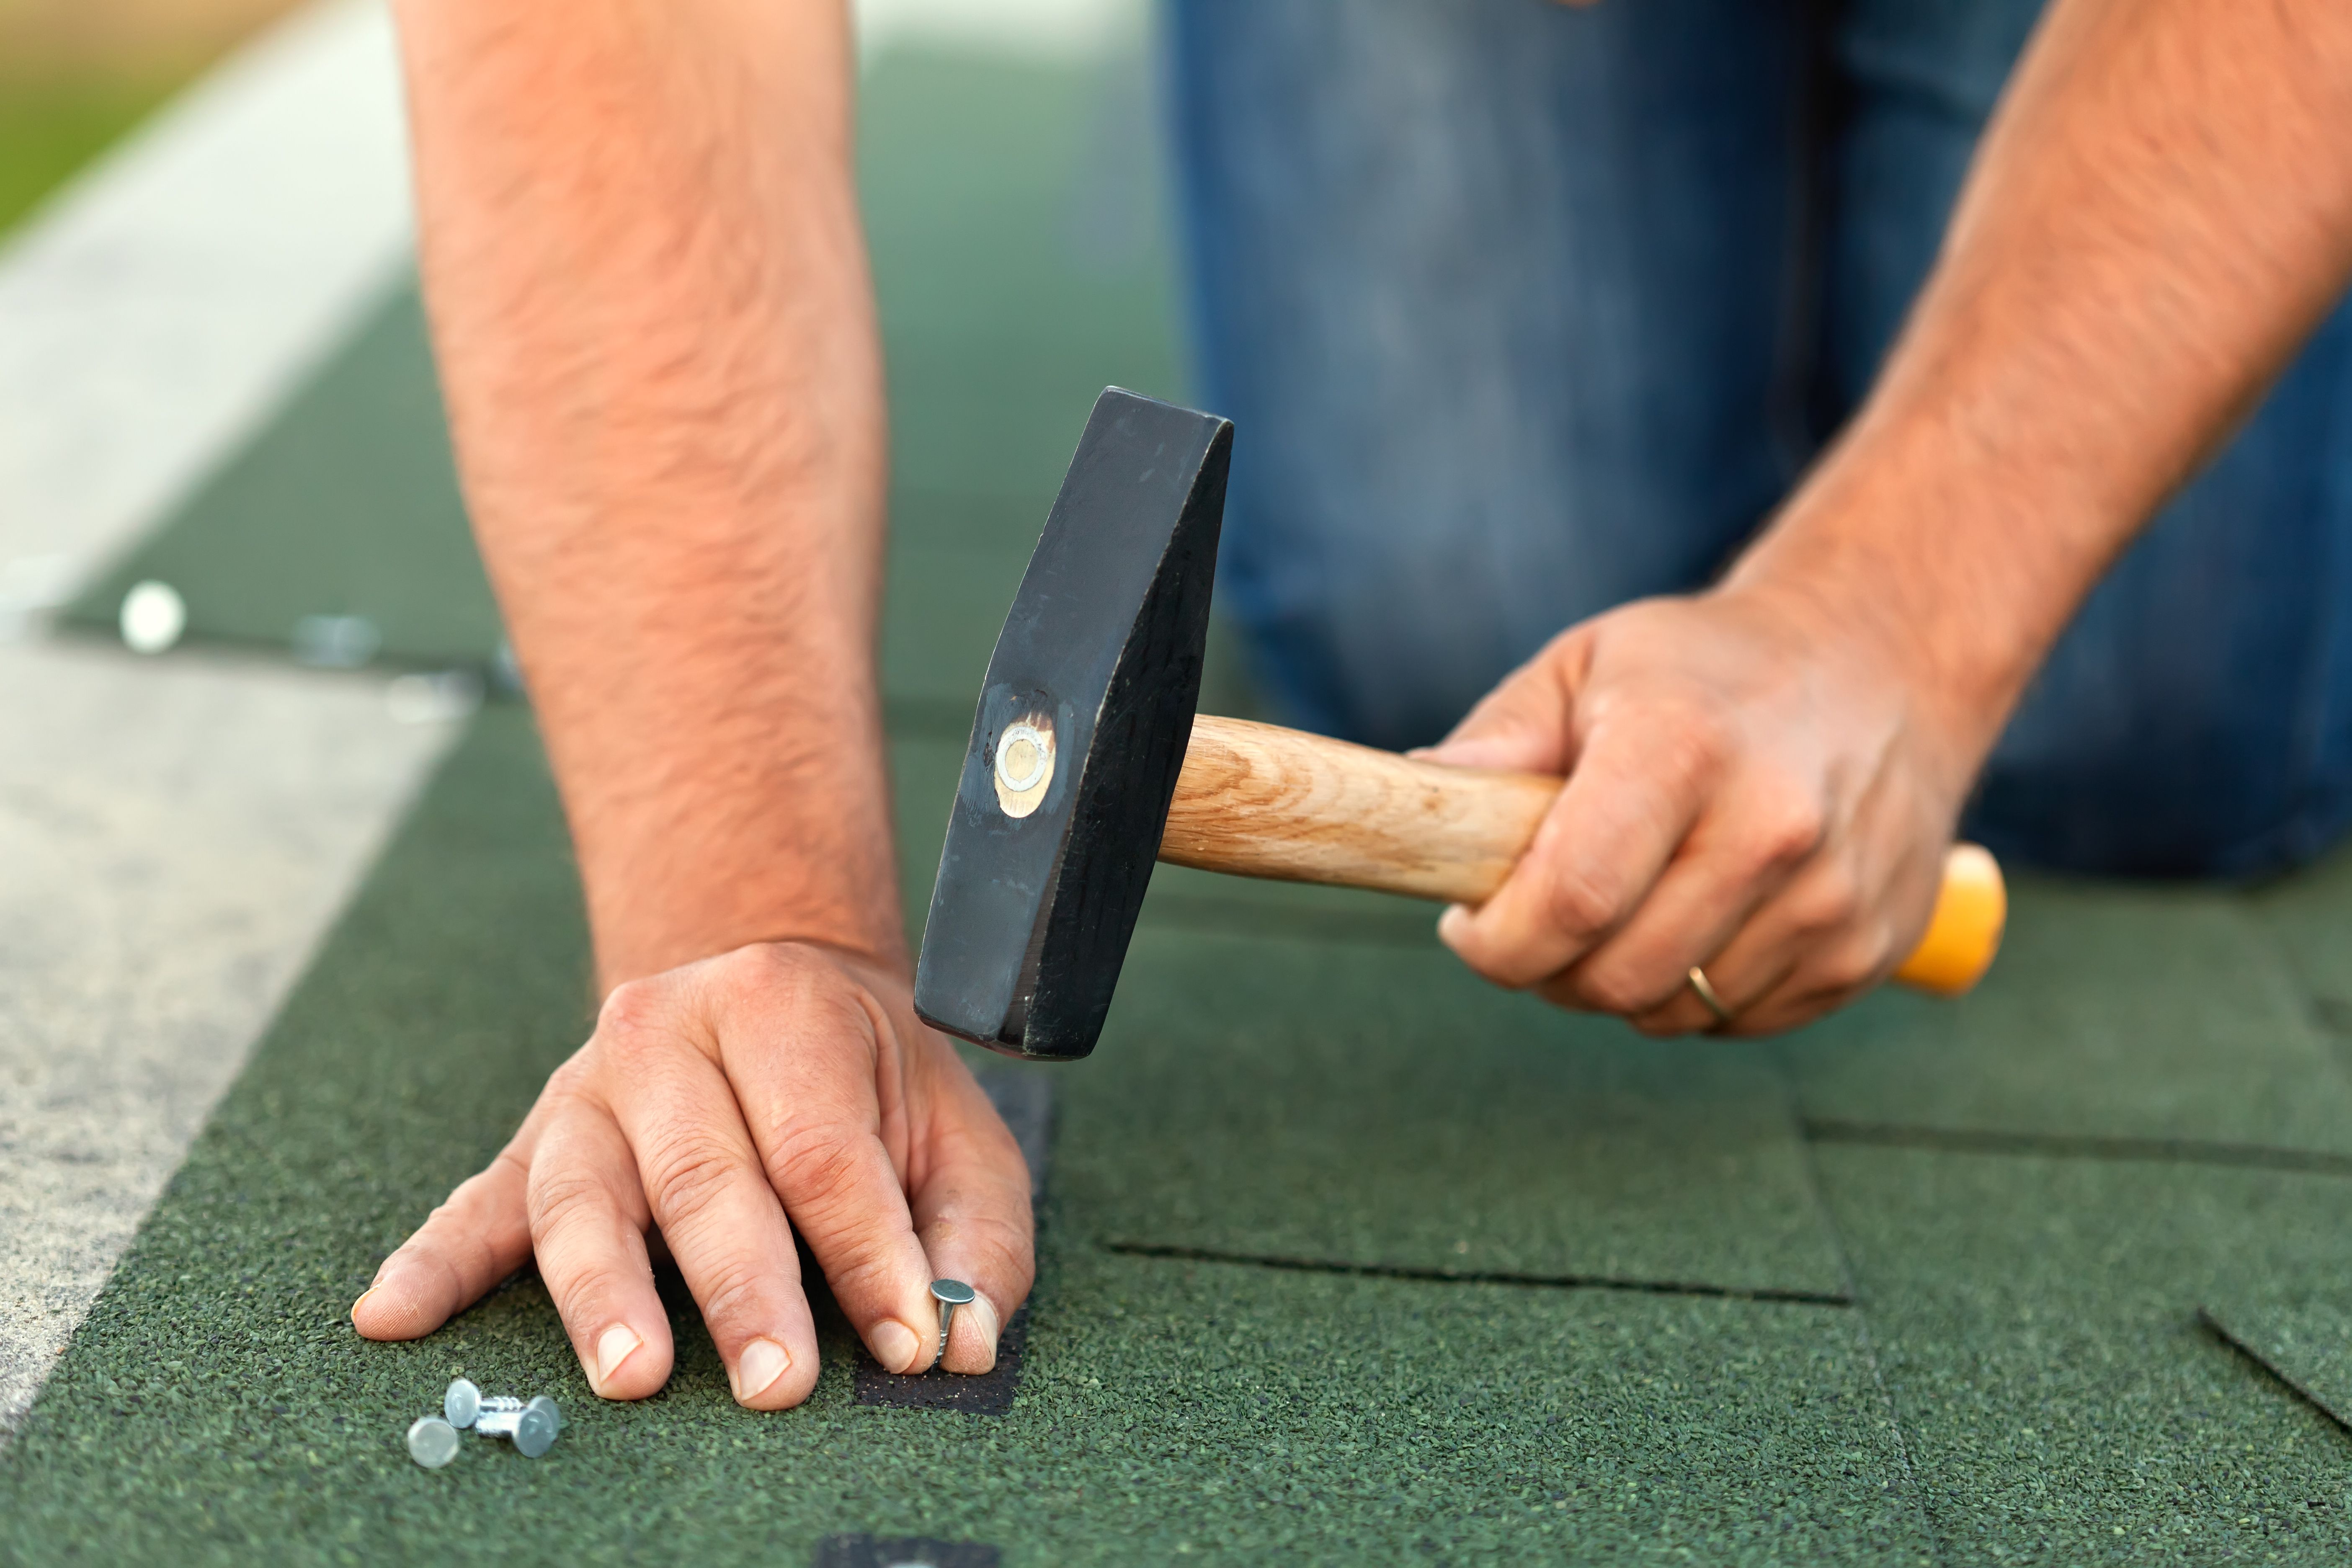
<point x="1964" y="932"/>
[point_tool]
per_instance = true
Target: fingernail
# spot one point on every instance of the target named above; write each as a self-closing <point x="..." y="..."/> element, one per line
<point x="984" y="1315"/>
<point x="761" y="1362"/>
<point x="896" y="1345"/>
<point x="614" y="1346"/>
<point x="1453" y="925"/>
<point x="362" y="1301"/>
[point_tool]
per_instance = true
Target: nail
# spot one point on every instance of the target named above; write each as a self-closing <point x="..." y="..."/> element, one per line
<point x="614" y="1346"/>
<point x="1453" y="925"/>
<point x="984" y="1317"/>
<point x="362" y="1300"/>
<point x="949" y="1294"/>
<point x="757" y="1369"/>
<point x="895" y="1347"/>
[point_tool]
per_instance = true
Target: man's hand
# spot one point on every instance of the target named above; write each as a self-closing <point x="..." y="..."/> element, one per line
<point x="718" y="1108"/>
<point x="1762" y="780"/>
<point x="1749" y="790"/>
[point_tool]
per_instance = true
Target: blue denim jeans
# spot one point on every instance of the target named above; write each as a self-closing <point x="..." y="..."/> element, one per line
<point x="1522" y="311"/>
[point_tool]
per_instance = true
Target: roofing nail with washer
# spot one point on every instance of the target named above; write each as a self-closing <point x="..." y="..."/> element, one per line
<point x="464" y="1402"/>
<point x="949" y="1294"/>
<point x="533" y="1428"/>
<point x="432" y="1442"/>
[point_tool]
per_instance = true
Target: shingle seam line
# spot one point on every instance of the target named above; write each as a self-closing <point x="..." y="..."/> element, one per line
<point x="2219" y="1331"/>
<point x="1479" y="1276"/>
<point x="2173" y="1151"/>
<point x="1914" y="1492"/>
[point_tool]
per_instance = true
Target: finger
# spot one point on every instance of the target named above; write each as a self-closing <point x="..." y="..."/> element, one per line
<point x="1625" y="810"/>
<point x="802" y="1056"/>
<point x="971" y="1210"/>
<point x="1817" y="935"/>
<point x="1826" y="973"/>
<point x="1738" y="858"/>
<point x="475" y="1239"/>
<point x="588" y="1216"/>
<point x="1523" y="724"/>
<point x="704" y="1186"/>
<point x="1686" y="1011"/>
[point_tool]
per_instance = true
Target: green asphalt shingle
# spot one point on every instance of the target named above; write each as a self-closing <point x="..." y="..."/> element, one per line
<point x="2310" y="915"/>
<point x="2036" y="1323"/>
<point x="2298" y="1328"/>
<point x="216" y="1404"/>
<point x="1376" y="1106"/>
<point x="2121" y="1013"/>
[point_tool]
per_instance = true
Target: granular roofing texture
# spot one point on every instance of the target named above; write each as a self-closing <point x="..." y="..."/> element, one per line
<point x="2036" y="1323"/>
<point x="217" y="1401"/>
<point x="1342" y="1255"/>
<point x="1370" y="1106"/>
<point x="2121" y="1013"/>
<point x="2298" y="1328"/>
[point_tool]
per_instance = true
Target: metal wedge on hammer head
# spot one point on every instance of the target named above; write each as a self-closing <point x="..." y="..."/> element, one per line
<point x="1087" y="765"/>
<point x="1081" y="730"/>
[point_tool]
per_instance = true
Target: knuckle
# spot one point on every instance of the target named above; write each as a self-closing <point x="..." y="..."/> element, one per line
<point x="732" y="1290"/>
<point x="1854" y="965"/>
<point x="569" y="1081"/>
<point x="862" y="1270"/>
<point x="1008" y="1243"/>
<point x="637" y="1026"/>
<point x="1831" y="903"/>
<point x="586" y="1297"/>
<point x="450" y="1212"/>
<point x="1580" y="905"/>
<point x="634" y="1008"/>
<point x="1693" y="743"/>
<point x="767" y="969"/>
<point x="509" y="1165"/>
<point x="1787" y="831"/>
<point x="562" y="1196"/>
<point x="820" y="1169"/>
<point x="456" y="1252"/>
<point x="1622" y="990"/>
<point x="686" y="1176"/>
<point x="804" y="987"/>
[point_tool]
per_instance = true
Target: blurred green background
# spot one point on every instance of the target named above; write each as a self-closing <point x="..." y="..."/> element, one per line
<point x="76" y="74"/>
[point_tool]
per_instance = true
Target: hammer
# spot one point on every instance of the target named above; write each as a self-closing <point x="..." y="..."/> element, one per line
<point x="1087" y="762"/>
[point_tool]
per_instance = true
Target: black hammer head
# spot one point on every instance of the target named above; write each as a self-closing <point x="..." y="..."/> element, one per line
<point x="1081" y="731"/>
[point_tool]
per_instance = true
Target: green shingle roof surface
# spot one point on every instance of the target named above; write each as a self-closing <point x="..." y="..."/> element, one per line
<point x="1343" y="1256"/>
<point x="2122" y="1013"/>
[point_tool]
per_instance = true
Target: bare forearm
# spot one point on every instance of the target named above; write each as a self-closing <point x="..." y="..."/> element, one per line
<point x="2161" y="210"/>
<point x="647" y="285"/>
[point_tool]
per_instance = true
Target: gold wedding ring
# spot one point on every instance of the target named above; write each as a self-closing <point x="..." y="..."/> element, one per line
<point x="1705" y="989"/>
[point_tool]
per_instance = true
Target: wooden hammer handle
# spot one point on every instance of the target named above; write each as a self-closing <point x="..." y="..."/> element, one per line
<point x="1257" y="800"/>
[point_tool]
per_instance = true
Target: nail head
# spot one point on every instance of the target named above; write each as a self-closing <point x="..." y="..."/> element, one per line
<point x="432" y="1442"/>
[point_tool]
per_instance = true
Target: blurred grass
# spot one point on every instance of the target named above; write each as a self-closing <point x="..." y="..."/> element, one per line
<point x="76" y="75"/>
<point x="53" y="123"/>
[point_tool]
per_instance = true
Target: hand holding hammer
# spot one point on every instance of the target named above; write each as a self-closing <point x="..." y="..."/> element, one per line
<point x="1087" y="762"/>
